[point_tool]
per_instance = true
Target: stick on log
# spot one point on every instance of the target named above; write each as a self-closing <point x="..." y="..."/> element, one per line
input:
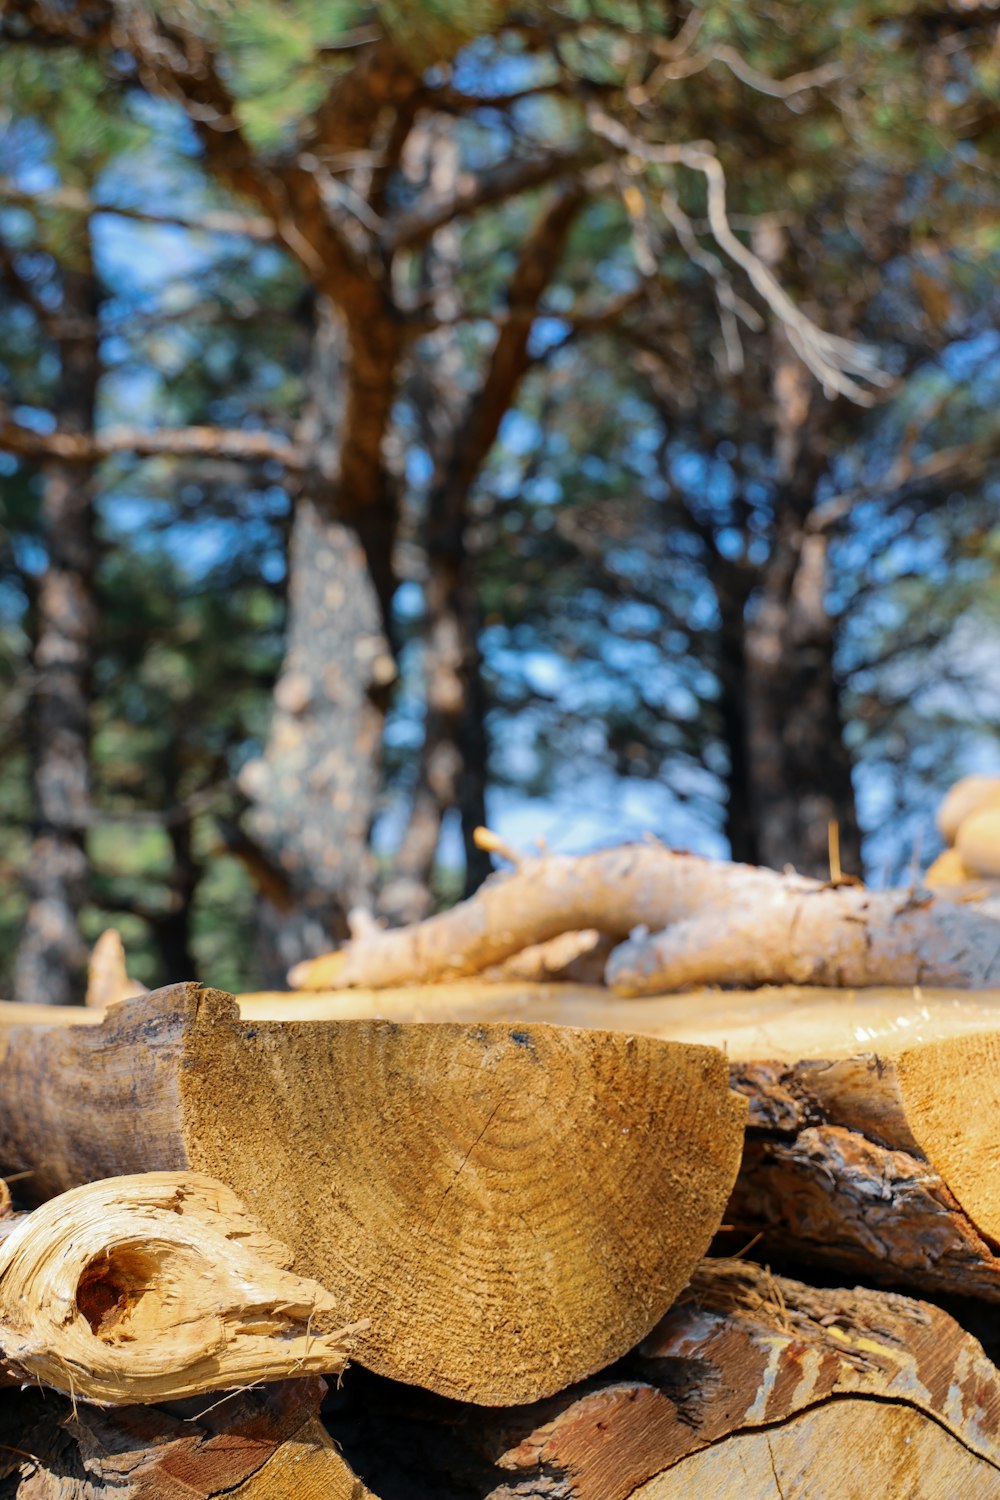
<point x="710" y="923"/>
<point x="512" y="1207"/>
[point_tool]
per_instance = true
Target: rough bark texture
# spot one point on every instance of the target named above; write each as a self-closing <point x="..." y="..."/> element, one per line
<point x="156" y="1287"/>
<point x="744" y="1364"/>
<point x="52" y="957"/>
<point x="731" y="924"/>
<point x="260" y="1444"/>
<point x="314" y="791"/>
<point x="512" y="1207"/>
<point x="867" y="1164"/>
<point x="800" y="766"/>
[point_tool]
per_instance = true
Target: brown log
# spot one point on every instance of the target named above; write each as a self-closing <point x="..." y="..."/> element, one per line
<point x="260" y="1444"/>
<point x="711" y="923"/>
<point x="512" y="1207"/>
<point x="155" y="1287"/>
<point x="752" y="1385"/>
<point x="876" y="1164"/>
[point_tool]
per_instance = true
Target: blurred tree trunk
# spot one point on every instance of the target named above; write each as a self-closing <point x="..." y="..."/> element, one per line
<point x="732" y="586"/>
<point x="454" y="761"/>
<point x="800" y="763"/>
<point x="314" y="790"/>
<point x="52" y="957"/>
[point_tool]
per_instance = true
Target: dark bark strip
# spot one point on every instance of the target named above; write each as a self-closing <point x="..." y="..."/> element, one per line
<point x="52" y="958"/>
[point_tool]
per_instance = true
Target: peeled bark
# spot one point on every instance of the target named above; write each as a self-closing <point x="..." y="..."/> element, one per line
<point x="511" y="1207"/>
<point x="52" y="957"/>
<point x="156" y="1287"/>
<point x="731" y="924"/>
<point x="752" y="1384"/>
<point x="258" y="1444"/>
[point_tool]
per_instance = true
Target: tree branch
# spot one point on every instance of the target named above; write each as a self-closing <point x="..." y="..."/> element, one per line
<point x="183" y="442"/>
<point x="833" y="360"/>
<point x="957" y="465"/>
<point x="489" y="187"/>
<point x="75" y="200"/>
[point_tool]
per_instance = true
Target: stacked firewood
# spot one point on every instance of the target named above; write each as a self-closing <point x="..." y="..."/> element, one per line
<point x="542" y="1238"/>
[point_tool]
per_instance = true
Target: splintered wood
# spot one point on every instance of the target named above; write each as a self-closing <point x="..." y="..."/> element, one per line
<point x="154" y="1287"/>
<point x="511" y="1207"/>
<point x="265" y="1443"/>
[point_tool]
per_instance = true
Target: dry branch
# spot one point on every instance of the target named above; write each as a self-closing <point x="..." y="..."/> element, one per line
<point x="725" y="924"/>
<point x="154" y="1287"/>
<point x="512" y="1207"/>
<point x="850" y="1393"/>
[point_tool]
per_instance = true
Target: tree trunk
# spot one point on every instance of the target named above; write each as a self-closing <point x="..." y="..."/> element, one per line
<point x="315" y="790"/>
<point x="451" y="773"/>
<point x="752" y="1385"/>
<point x="51" y="960"/>
<point x="800" y="763"/>
<point x="486" y="1196"/>
<point x="732" y="590"/>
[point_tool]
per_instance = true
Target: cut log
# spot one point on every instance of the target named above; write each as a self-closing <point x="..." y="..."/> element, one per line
<point x="786" y="1022"/>
<point x="512" y="1207"/>
<point x="745" y="1364"/>
<point x="879" y="1165"/>
<point x="874" y="1156"/>
<point x="260" y="1444"/>
<point x="154" y="1287"/>
<point x="724" y="924"/>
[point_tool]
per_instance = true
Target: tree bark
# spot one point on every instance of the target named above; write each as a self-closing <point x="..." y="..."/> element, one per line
<point x="256" y="1444"/>
<point x="487" y="1196"/>
<point x="314" y="791"/>
<point x="752" y="1384"/>
<point x="732" y="591"/>
<point x="51" y="960"/>
<point x="800" y="763"/>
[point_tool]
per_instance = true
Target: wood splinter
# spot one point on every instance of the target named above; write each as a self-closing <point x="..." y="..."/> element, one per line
<point x="155" y="1287"/>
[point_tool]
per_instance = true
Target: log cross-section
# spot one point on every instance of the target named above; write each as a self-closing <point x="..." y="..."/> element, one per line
<point x="512" y="1207"/>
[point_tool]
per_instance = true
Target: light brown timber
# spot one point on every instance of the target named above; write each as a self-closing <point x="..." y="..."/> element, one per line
<point x="511" y="1206"/>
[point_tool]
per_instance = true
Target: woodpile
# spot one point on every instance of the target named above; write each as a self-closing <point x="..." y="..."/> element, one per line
<point x="542" y="1239"/>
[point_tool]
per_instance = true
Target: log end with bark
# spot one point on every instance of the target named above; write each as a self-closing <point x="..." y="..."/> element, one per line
<point x="154" y="1287"/>
<point x="512" y="1206"/>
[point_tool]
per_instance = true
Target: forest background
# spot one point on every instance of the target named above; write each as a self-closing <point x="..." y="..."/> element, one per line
<point x="577" y="418"/>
